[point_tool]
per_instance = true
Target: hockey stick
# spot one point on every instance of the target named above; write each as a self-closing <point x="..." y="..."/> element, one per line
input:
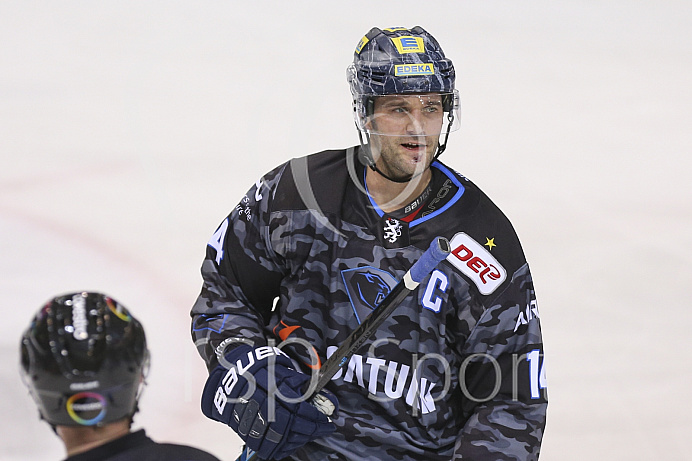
<point x="438" y="250"/>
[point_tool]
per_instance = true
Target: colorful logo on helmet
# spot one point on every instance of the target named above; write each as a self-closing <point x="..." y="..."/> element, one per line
<point x="118" y="310"/>
<point x="363" y="41"/>
<point x="414" y="69"/>
<point x="86" y="408"/>
<point x="408" y="44"/>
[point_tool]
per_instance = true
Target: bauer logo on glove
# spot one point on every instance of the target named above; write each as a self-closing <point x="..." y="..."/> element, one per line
<point x="260" y="396"/>
<point x="230" y="379"/>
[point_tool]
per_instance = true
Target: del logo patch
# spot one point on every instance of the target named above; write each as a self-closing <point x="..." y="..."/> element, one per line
<point x="366" y="288"/>
<point x="476" y="263"/>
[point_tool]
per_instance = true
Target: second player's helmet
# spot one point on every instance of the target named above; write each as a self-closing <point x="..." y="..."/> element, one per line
<point x="401" y="61"/>
<point x="84" y="359"/>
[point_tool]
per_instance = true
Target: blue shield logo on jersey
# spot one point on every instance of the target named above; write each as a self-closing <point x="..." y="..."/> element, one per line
<point x="366" y="288"/>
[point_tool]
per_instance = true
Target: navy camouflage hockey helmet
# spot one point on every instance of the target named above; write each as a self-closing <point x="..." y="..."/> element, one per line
<point x="399" y="60"/>
<point x="84" y="358"/>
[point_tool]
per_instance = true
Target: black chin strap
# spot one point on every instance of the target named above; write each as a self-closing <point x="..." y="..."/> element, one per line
<point x="443" y="145"/>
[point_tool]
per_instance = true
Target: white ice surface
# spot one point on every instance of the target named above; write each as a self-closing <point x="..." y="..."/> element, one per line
<point x="129" y="129"/>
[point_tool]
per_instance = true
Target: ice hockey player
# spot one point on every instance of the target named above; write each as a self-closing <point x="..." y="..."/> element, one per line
<point x="84" y="358"/>
<point x="456" y="372"/>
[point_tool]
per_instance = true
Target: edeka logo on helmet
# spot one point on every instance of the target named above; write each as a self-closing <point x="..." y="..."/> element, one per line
<point x="414" y="69"/>
<point x="409" y="44"/>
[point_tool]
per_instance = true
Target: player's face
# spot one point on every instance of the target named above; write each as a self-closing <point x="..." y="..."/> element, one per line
<point x="405" y="131"/>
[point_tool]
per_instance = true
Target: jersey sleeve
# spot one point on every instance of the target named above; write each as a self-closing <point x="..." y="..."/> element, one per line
<point x="502" y="377"/>
<point x="241" y="275"/>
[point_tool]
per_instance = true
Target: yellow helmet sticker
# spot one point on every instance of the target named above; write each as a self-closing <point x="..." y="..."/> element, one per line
<point x="394" y="29"/>
<point x="363" y="41"/>
<point x="408" y="44"/>
<point x="414" y="69"/>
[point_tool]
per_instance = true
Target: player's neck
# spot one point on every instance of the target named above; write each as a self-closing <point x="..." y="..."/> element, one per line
<point x="80" y="439"/>
<point x="391" y="196"/>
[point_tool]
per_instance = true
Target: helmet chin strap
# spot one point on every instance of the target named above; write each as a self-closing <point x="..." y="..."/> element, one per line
<point x="443" y="145"/>
<point x="366" y="158"/>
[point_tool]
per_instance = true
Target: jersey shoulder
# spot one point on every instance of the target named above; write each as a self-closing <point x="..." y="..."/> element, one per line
<point x="155" y="451"/>
<point x="137" y="445"/>
<point x="480" y="232"/>
<point x="316" y="181"/>
<point x="175" y="452"/>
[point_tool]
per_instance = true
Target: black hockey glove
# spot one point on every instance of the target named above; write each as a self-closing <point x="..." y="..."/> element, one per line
<point x="240" y="397"/>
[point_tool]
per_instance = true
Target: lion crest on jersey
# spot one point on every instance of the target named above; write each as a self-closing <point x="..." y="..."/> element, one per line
<point x="392" y="230"/>
<point x="367" y="287"/>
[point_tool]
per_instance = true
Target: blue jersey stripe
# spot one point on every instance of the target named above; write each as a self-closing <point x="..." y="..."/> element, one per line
<point x="417" y="221"/>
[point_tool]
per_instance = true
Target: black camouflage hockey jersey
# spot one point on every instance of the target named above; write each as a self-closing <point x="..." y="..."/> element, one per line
<point x="456" y="372"/>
